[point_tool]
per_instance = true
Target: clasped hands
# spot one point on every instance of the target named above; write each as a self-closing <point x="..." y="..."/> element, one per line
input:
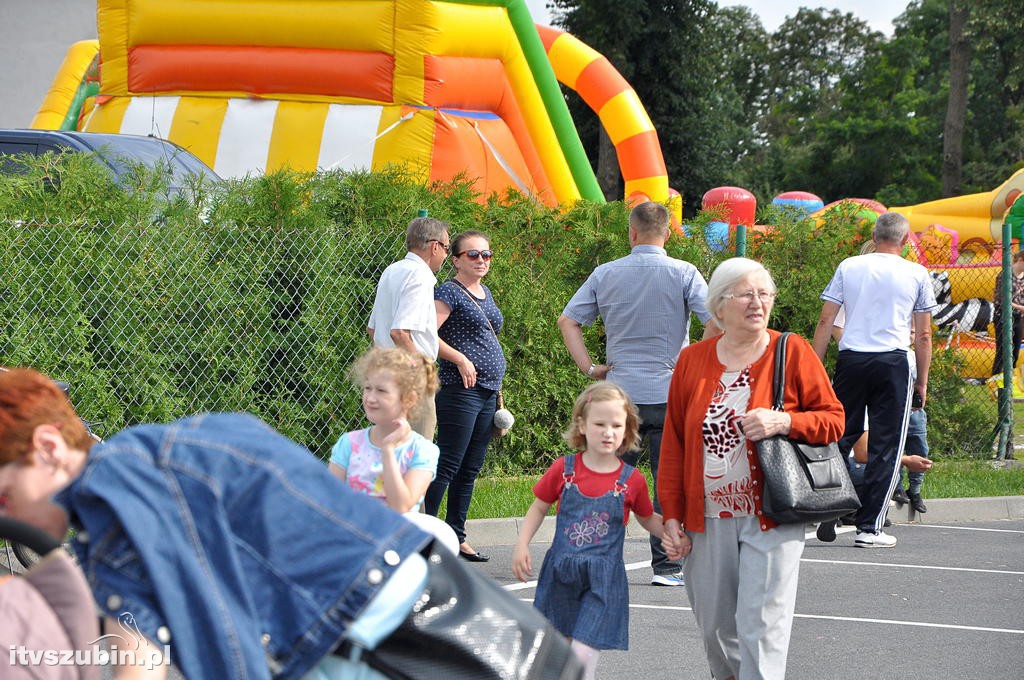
<point x="674" y="540"/>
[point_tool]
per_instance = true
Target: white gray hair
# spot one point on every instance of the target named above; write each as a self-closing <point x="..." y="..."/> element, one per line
<point x="891" y="227"/>
<point x="725" y="277"/>
<point x="423" y="230"/>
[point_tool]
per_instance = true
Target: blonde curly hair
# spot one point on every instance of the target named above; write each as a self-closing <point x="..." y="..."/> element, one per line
<point x="602" y="391"/>
<point x="415" y="374"/>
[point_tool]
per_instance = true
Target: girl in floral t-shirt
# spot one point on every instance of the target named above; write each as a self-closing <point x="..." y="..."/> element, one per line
<point x="582" y="586"/>
<point x="388" y="460"/>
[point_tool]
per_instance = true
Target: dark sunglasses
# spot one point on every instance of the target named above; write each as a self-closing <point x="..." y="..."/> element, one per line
<point x="474" y="254"/>
<point x="444" y="246"/>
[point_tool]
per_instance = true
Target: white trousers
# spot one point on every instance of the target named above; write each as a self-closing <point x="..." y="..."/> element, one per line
<point x="742" y="584"/>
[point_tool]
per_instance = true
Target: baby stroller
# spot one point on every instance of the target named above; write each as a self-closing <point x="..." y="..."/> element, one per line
<point x="47" y="609"/>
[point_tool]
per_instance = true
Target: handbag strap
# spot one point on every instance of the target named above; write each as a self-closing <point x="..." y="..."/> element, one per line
<point x="475" y="302"/>
<point x="501" y="400"/>
<point x="779" y="377"/>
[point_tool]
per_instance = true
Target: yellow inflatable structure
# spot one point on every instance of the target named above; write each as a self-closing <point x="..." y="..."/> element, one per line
<point x="442" y="87"/>
<point x="974" y="216"/>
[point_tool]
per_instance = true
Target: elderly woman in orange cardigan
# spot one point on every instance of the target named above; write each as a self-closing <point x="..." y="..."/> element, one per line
<point x="741" y="568"/>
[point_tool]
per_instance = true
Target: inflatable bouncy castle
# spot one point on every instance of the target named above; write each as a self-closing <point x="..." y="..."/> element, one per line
<point x="441" y="87"/>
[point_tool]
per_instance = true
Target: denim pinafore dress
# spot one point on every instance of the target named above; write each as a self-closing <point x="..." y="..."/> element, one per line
<point x="582" y="587"/>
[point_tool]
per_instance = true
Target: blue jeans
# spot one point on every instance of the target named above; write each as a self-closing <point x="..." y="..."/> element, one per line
<point x="465" y="420"/>
<point x="652" y="423"/>
<point x="916" y="445"/>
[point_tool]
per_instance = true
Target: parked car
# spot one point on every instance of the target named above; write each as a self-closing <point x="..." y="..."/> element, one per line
<point x="116" y="152"/>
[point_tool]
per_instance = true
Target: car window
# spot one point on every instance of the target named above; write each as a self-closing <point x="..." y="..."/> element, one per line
<point x="121" y="151"/>
<point x="10" y="165"/>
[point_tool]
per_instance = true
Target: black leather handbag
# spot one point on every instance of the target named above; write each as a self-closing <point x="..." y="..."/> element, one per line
<point x="467" y="627"/>
<point x="802" y="482"/>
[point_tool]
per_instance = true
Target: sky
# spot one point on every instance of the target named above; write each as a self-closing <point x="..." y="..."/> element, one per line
<point x="878" y="13"/>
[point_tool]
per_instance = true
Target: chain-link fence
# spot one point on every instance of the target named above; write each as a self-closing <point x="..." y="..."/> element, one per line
<point x="967" y="336"/>
<point x="152" y="323"/>
<point x="149" y="324"/>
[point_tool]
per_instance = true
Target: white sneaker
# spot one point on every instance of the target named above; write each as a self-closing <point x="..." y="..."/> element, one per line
<point x="668" y="579"/>
<point x="866" y="539"/>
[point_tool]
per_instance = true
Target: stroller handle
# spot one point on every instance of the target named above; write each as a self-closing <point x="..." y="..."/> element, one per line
<point x="28" y="535"/>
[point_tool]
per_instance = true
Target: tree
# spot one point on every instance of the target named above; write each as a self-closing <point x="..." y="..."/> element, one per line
<point x="740" y="45"/>
<point x="956" y="110"/>
<point x="665" y="50"/>
<point x="994" y="135"/>
<point x="810" y="56"/>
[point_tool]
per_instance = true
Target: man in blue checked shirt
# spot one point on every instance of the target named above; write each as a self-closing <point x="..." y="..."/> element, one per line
<point x="645" y="300"/>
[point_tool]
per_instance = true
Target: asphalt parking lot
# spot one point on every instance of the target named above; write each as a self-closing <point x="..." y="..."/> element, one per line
<point x="946" y="602"/>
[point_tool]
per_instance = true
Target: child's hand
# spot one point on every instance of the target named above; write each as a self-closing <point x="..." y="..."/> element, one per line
<point x="522" y="567"/>
<point x="674" y="540"/>
<point x="398" y="434"/>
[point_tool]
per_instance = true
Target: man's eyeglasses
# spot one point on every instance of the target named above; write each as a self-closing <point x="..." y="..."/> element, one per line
<point x="446" y="246"/>
<point x="474" y="254"/>
<point x="765" y="296"/>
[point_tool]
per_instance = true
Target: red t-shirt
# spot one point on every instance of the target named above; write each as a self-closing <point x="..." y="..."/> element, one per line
<point x="594" y="484"/>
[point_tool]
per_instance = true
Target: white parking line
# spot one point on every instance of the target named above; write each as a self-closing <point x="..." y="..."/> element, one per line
<point x="855" y="619"/>
<point x="917" y="624"/>
<point x="915" y="566"/>
<point x="630" y="566"/>
<point x="944" y="526"/>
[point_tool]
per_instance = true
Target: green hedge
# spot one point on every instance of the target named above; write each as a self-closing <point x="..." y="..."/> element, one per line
<point x="254" y="296"/>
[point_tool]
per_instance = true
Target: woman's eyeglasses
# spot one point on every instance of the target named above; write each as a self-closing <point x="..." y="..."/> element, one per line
<point x="765" y="296"/>
<point x="474" y="254"/>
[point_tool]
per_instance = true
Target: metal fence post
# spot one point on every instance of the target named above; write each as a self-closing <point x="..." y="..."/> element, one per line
<point x="741" y="240"/>
<point x="1004" y="336"/>
<point x="1013" y="222"/>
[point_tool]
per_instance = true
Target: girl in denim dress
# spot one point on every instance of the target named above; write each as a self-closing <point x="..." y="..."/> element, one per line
<point x="582" y="587"/>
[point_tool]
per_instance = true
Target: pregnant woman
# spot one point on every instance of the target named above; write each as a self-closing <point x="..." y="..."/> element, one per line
<point x="472" y="368"/>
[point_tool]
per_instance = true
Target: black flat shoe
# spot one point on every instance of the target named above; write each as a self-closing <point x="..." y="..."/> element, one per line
<point x="474" y="557"/>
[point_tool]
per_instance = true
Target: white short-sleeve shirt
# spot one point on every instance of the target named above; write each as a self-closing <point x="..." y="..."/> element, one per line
<point x="881" y="293"/>
<point x="405" y="301"/>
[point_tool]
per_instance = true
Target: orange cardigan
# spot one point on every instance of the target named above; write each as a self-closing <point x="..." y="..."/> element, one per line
<point x="817" y="415"/>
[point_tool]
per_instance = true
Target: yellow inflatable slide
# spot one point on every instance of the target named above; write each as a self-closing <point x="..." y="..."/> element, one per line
<point x="442" y="87"/>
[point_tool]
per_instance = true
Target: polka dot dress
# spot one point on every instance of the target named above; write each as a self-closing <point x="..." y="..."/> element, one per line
<point x="467" y="330"/>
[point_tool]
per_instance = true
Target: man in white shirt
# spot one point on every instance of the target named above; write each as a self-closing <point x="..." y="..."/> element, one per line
<point x="403" y="310"/>
<point x="885" y="297"/>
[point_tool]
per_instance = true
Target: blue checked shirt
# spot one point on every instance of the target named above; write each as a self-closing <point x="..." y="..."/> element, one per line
<point x="645" y="300"/>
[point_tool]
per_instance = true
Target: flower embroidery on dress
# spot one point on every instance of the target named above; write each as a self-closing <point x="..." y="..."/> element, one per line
<point x="591" y="529"/>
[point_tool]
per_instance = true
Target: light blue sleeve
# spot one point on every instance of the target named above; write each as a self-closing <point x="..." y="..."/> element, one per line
<point x="424" y="455"/>
<point x="342" y="451"/>
<point x="582" y="308"/>
<point x="697" y="296"/>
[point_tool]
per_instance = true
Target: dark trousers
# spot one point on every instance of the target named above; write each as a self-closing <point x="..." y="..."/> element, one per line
<point x="465" y="421"/>
<point x="652" y="422"/>
<point x="1015" y="338"/>
<point x="880" y="383"/>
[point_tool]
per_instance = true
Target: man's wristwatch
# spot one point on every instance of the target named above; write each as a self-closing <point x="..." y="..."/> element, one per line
<point x="590" y="371"/>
